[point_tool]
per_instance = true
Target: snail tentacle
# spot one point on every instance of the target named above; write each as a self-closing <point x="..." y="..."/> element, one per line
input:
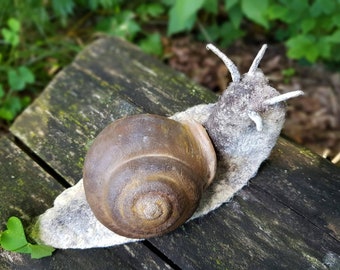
<point x="235" y="74"/>
<point x="283" y="97"/>
<point x="257" y="60"/>
<point x="257" y="119"/>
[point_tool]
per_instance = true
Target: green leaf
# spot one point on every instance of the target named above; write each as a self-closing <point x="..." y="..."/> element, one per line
<point x="152" y="9"/>
<point x="322" y="7"/>
<point x="40" y="251"/>
<point x="14" y="238"/>
<point x="2" y="91"/>
<point x="11" y="107"/>
<point x="255" y="10"/>
<point x="171" y="2"/>
<point x="326" y="24"/>
<point x="324" y="48"/>
<point x="300" y="7"/>
<point x="211" y="6"/>
<point x="288" y="72"/>
<point x="214" y="32"/>
<point x="18" y="78"/>
<point x="302" y="46"/>
<point x="14" y="80"/>
<point x="276" y="11"/>
<point x="334" y="38"/>
<point x="230" y="3"/>
<point x="106" y="4"/>
<point x="122" y="25"/>
<point x="182" y="15"/>
<point x="26" y="74"/>
<point x="10" y="37"/>
<point x="235" y="16"/>
<point x="63" y="7"/>
<point x="14" y="25"/>
<point x="230" y="34"/>
<point x="336" y="21"/>
<point x="6" y="114"/>
<point x="307" y="25"/>
<point x="152" y="44"/>
<point x="14" y="104"/>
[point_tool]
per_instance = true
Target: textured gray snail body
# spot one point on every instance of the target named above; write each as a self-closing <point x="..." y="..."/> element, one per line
<point x="145" y="175"/>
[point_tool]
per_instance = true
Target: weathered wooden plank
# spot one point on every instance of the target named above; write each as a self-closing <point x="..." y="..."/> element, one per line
<point x="305" y="182"/>
<point x="98" y="88"/>
<point x="63" y="121"/>
<point x="134" y="256"/>
<point x="142" y="79"/>
<point x="257" y="230"/>
<point x="26" y="191"/>
<point x="71" y="112"/>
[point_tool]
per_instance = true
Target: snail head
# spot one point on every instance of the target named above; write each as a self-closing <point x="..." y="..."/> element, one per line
<point x="250" y="95"/>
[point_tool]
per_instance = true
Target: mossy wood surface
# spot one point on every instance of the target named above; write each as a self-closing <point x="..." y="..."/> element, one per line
<point x="26" y="191"/>
<point x="286" y="218"/>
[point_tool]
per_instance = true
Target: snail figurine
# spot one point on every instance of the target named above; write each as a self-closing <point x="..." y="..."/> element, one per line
<point x="145" y="175"/>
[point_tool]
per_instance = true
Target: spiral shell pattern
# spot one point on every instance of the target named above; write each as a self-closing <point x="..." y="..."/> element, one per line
<point x="144" y="174"/>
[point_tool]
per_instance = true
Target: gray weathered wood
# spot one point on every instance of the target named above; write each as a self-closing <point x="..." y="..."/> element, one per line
<point x="133" y="256"/>
<point x="26" y="191"/>
<point x="258" y="229"/>
<point x="285" y="219"/>
<point x="100" y="86"/>
<point x="62" y="122"/>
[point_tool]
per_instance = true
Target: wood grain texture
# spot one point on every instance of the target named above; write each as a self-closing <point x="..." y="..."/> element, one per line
<point x="26" y="191"/>
<point x="99" y="87"/>
<point x="287" y="218"/>
<point x="258" y="228"/>
<point x="132" y="256"/>
<point x="63" y="121"/>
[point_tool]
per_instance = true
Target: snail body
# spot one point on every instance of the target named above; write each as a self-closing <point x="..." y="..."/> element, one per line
<point x="144" y="175"/>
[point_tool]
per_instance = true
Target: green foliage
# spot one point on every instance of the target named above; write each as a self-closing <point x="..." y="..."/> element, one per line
<point x="128" y="24"/>
<point x="149" y="11"/>
<point x="152" y="44"/>
<point x="14" y="239"/>
<point x="17" y="77"/>
<point x="288" y="73"/>
<point x="11" y="34"/>
<point x="182" y="15"/>
<point x="123" y="25"/>
<point x="310" y="29"/>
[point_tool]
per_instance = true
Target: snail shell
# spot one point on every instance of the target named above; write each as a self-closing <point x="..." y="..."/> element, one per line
<point x="144" y="174"/>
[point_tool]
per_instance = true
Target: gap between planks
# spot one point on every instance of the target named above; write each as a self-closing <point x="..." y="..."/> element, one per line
<point x="39" y="161"/>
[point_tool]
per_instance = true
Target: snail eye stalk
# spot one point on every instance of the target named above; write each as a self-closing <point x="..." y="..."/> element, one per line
<point x="257" y="60"/>
<point x="235" y="74"/>
<point x="283" y="97"/>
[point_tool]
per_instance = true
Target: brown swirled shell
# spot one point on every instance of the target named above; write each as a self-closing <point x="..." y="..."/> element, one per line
<point x="144" y="174"/>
